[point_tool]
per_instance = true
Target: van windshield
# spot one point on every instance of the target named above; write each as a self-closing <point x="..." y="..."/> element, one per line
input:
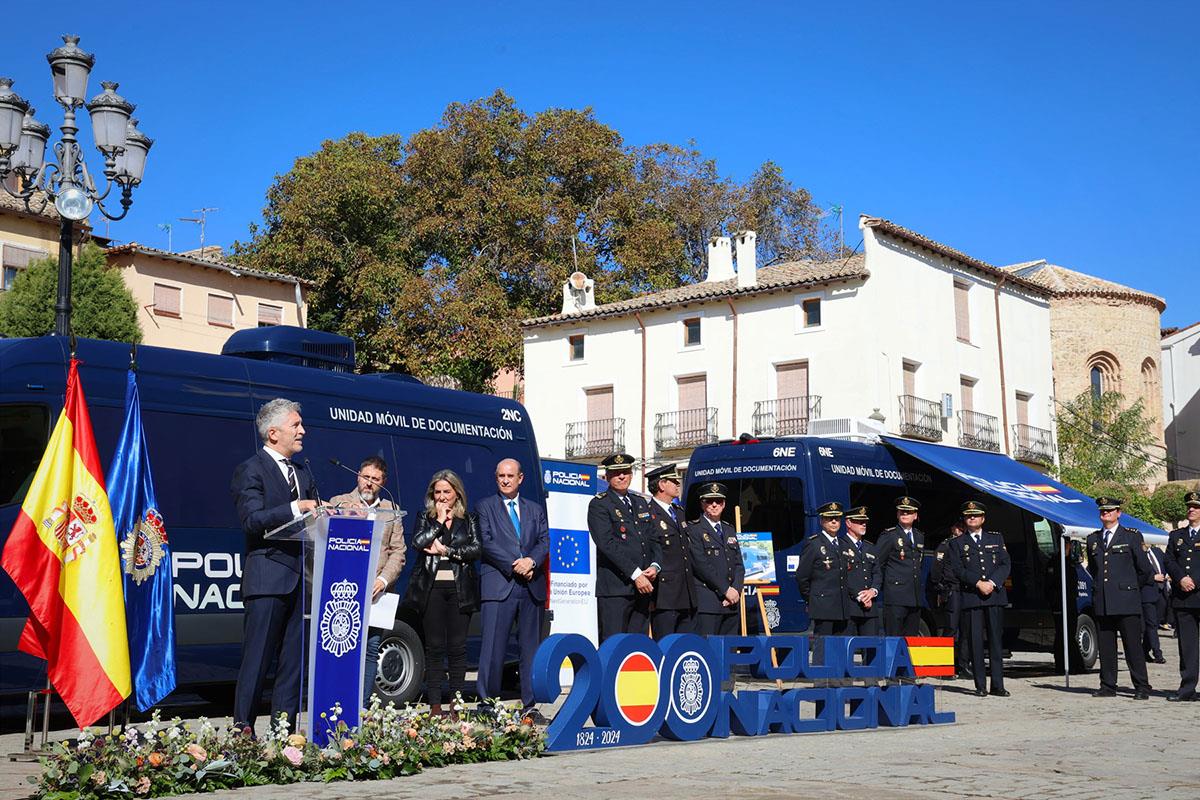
<point x="24" y="431"/>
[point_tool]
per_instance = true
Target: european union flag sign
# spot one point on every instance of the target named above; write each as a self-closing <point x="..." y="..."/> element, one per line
<point x="569" y="551"/>
<point x="145" y="560"/>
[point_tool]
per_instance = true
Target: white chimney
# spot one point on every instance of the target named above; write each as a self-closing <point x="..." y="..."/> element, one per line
<point x="747" y="266"/>
<point x="720" y="259"/>
<point x="579" y="294"/>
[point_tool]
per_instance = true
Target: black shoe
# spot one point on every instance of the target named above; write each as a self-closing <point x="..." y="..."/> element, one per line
<point x="1141" y="694"/>
<point x="1159" y="660"/>
<point x="1104" y="693"/>
<point x="980" y="693"/>
<point x="1176" y="697"/>
<point x="1001" y="692"/>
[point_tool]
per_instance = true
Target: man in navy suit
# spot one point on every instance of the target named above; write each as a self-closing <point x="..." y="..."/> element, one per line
<point x="269" y="489"/>
<point x="1154" y="604"/>
<point x="512" y="578"/>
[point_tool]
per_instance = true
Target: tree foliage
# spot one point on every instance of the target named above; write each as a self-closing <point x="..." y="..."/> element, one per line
<point x="102" y="306"/>
<point x="1104" y="448"/>
<point x="429" y="250"/>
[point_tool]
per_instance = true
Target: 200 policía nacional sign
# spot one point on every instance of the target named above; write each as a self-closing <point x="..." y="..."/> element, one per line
<point x="635" y="688"/>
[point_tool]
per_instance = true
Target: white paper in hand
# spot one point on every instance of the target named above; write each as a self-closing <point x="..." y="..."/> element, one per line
<point x="383" y="611"/>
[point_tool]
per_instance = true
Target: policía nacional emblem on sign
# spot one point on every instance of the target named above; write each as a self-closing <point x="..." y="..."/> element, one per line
<point x="142" y="548"/>
<point x="341" y="619"/>
<point x="691" y="688"/>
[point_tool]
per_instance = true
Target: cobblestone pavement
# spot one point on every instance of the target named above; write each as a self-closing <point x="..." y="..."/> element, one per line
<point x="1045" y="741"/>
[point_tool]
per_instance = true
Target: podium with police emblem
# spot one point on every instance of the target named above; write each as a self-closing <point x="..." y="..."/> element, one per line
<point x="344" y="544"/>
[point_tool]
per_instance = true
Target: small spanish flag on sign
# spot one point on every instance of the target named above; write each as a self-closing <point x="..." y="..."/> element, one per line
<point x="932" y="656"/>
<point x="637" y="688"/>
<point x="768" y="591"/>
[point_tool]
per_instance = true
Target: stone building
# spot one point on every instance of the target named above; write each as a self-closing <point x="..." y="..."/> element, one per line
<point x="1104" y="337"/>
<point x="1181" y="400"/>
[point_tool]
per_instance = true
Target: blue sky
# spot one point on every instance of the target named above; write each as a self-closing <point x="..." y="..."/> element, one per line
<point x="1012" y="131"/>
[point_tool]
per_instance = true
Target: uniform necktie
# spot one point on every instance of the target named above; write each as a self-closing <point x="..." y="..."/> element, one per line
<point x="908" y="534"/>
<point x="858" y="545"/>
<point x="976" y="537"/>
<point x="674" y="513"/>
<point x="516" y="521"/>
<point x="1195" y="534"/>
<point x="628" y="503"/>
<point x="292" y="485"/>
<point x="1107" y="539"/>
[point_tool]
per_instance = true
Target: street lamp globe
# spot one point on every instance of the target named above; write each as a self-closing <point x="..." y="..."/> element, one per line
<point x="32" y="150"/>
<point x="110" y="114"/>
<point x="12" y="116"/>
<point x="70" y="67"/>
<point x="73" y="203"/>
<point x="131" y="164"/>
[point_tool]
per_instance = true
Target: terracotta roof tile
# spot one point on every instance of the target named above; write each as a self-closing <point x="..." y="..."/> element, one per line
<point x="225" y="266"/>
<point x="1065" y="282"/>
<point x="10" y="203"/>
<point x="791" y="274"/>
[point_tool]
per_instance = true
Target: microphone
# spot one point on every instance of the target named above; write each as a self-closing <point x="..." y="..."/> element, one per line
<point x="313" y="478"/>
<point x="382" y="488"/>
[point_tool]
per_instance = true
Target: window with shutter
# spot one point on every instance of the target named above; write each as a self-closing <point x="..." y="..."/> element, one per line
<point x="220" y="311"/>
<point x="16" y="258"/>
<point x="962" y="311"/>
<point x="269" y="315"/>
<point x="167" y="300"/>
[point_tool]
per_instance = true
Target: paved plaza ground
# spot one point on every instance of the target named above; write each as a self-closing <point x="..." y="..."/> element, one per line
<point x="1046" y="741"/>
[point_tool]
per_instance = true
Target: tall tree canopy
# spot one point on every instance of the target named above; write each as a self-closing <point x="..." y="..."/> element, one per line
<point x="429" y="250"/>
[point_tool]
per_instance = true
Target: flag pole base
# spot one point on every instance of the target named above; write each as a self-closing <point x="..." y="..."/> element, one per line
<point x="28" y="753"/>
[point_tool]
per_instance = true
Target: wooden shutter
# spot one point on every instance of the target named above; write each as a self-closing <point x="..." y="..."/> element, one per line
<point x="967" y="392"/>
<point x="693" y="392"/>
<point x="166" y="300"/>
<point x="910" y="378"/>
<point x="962" y="311"/>
<point x="220" y="310"/>
<point x="18" y="257"/>
<point x="269" y="315"/>
<point x="599" y="404"/>
<point x="1022" y="408"/>
<point x="791" y="380"/>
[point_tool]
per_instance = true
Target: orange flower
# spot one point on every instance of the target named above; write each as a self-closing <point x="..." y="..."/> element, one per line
<point x="156" y="759"/>
<point x="412" y="733"/>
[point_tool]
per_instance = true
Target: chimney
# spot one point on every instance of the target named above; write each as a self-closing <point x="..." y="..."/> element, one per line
<point x="578" y="294"/>
<point x="747" y="267"/>
<point x="720" y="259"/>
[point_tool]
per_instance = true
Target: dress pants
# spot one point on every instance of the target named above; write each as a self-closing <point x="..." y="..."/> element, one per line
<point x="1130" y="628"/>
<point x="717" y="624"/>
<point x="496" y="620"/>
<point x="623" y="615"/>
<point x="445" y="626"/>
<point x="665" y="621"/>
<point x="862" y="626"/>
<point x="1150" y="644"/>
<point x="1187" y="631"/>
<point x="974" y="621"/>
<point x="901" y="620"/>
<point x="273" y="629"/>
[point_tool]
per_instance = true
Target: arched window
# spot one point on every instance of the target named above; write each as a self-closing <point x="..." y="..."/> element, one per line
<point x="1104" y="374"/>
<point x="1150" y="383"/>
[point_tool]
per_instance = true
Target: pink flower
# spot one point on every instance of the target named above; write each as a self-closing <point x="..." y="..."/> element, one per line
<point x="143" y="786"/>
<point x="293" y="754"/>
<point x="196" y="751"/>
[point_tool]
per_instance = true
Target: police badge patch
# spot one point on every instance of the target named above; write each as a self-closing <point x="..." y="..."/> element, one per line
<point x="142" y="549"/>
<point x="341" y="619"/>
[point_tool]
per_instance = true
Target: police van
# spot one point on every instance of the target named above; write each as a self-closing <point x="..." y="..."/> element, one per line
<point x="198" y="412"/>
<point x="779" y="483"/>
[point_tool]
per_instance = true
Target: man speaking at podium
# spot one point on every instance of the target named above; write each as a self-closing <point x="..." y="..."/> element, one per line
<point x="269" y="489"/>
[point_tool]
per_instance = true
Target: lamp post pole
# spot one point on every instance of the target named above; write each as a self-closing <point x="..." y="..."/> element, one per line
<point x="66" y="181"/>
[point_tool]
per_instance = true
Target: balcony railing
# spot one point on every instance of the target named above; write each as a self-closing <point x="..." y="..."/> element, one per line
<point x="1033" y="444"/>
<point x="978" y="431"/>
<point x="676" y="430"/>
<point x="920" y="418"/>
<point x="594" y="438"/>
<point x="787" y="416"/>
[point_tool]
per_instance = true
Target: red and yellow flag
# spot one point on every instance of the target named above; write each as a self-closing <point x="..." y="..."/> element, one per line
<point x="62" y="555"/>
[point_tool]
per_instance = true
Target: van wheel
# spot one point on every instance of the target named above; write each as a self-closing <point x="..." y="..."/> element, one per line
<point x="1087" y="647"/>
<point x="401" y="665"/>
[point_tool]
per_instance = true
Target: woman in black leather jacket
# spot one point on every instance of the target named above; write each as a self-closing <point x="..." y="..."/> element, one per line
<point x="444" y="585"/>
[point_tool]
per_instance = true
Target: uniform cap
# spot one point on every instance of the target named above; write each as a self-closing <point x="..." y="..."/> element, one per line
<point x="1108" y="503"/>
<point x="618" y="462"/>
<point x="665" y="472"/>
<point x="973" y="508"/>
<point x="907" y="503"/>
<point x="1192" y="499"/>
<point x="708" y="490"/>
<point x="858" y="513"/>
<point x="830" y="510"/>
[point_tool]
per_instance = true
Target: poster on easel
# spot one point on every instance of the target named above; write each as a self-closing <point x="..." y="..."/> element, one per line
<point x="758" y="556"/>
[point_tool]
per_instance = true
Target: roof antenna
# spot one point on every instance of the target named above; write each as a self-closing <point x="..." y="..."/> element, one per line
<point x="201" y="220"/>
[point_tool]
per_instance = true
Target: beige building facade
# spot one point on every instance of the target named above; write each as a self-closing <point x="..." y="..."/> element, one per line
<point x="27" y="236"/>
<point x="192" y="303"/>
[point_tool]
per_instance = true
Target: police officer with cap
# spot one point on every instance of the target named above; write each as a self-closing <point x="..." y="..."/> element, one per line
<point x="1119" y="569"/>
<point x="863" y="577"/>
<point x="1183" y="565"/>
<point x="821" y="575"/>
<point x="674" y="599"/>
<point x="627" y="560"/>
<point x="716" y="565"/>
<point x="898" y="553"/>
<point x="979" y="563"/>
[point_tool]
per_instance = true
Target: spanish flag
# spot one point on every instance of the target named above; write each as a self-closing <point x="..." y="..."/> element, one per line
<point x="62" y="556"/>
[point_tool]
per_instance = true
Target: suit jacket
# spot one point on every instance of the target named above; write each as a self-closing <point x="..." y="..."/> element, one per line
<point x="900" y="564"/>
<point x="462" y="540"/>
<point x="674" y="588"/>
<point x="986" y="561"/>
<point x="1118" y="572"/>
<point x="942" y="583"/>
<point x="716" y="564"/>
<point x="822" y="578"/>
<point x="1183" y="559"/>
<point x="862" y="572"/>
<point x="392" y="548"/>
<point x="263" y="501"/>
<point x="502" y="546"/>
<point x="1154" y="591"/>
<point x="624" y="542"/>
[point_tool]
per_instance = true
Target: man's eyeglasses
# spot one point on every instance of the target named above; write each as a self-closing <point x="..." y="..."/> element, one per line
<point x="710" y="501"/>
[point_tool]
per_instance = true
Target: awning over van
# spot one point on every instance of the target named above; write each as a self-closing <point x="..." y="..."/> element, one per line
<point x="1001" y="477"/>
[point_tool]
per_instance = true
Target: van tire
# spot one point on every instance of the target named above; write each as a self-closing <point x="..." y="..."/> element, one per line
<point x="401" y="665"/>
<point x="1086" y="645"/>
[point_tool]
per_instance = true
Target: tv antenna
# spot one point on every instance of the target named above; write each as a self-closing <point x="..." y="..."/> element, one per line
<point x="201" y="220"/>
<point x="166" y="226"/>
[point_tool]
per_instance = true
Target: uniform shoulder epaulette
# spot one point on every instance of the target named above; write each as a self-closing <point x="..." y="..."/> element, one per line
<point x="602" y="495"/>
<point x="889" y="530"/>
<point x="810" y="537"/>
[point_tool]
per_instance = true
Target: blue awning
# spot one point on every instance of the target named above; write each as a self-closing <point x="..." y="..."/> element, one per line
<point x="1001" y="477"/>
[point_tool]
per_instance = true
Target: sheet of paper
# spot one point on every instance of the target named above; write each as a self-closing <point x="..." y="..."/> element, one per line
<point x="383" y="611"/>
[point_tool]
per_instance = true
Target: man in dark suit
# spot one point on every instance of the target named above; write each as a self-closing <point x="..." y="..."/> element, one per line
<point x="821" y="575"/>
<point x="1119" y="569"/>
<point x="1154" y="604"/>
<point x="979" y="563"/>
<point x="863" y="577"/>
<point x="627" y="558"/>
<point x="269" y="489"/>
<point x="898" y="554"/>
<point x="674" y="597"/>
<point x="717" y="566"/>
<point x="943" y="587"/>
<point x="512" y="581"/>
<point x="1183" y="565"/>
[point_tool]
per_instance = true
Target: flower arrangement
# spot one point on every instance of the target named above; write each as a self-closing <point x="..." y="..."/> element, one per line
<point x="161" y="758"/>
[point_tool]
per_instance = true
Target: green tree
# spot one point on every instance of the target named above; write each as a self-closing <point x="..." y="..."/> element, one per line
<point x="1104" y="447"/>
<point x="428" y="251"/>
<point x="101" y="305"/>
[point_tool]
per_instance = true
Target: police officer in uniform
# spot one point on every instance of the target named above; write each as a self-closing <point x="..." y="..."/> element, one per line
<point x="674" y="597"/>
<point x="1119" y="569"/>
<point x="898" y="553"/>
<point x="821" y="575"/>
<point x="979" y="563"/>
<point x="627" y="559"/>
<point x="944" y="584"/>
<point x="716" y="565"/>
<point x="1183" y="565"/>
<point x="863" y="577"/>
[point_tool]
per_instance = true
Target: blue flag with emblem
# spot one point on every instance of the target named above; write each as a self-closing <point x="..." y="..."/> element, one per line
<point x="145" y="560"/>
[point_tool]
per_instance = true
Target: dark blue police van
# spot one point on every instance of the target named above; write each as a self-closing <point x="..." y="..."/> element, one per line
<point x="198" y="411"/>
<point x="779" y="483"/>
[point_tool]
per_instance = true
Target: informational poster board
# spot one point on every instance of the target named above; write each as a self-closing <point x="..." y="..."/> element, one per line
<point x="758" y="556"/>
<point x="569" y="490"/>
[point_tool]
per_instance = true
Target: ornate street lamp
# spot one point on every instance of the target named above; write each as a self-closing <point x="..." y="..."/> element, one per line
<point x="67" y="182"/>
